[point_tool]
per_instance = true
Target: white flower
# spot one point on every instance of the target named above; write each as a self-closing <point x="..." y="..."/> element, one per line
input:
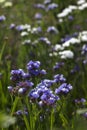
<point x="7" y="4"/>
<point x="80" y="2"/>
<point x="58" y="47"/>
<point x="83" y="6"/>
<point x="66" y="54"/>
<point x="66" y="11"/>
<point x="24" y="34"/>
<point x="1" y="1"/>
<point x="71" y="41"/>
<point x="72" y="7"/>
<point x="83" y="36"/>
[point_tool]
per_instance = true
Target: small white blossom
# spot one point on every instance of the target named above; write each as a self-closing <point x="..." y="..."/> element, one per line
<point x="71" y="41"/>
<point x="66" y="54"/>
<point x="24" y="34"/>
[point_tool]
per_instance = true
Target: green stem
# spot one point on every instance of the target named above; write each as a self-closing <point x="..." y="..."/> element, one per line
<point x="2" y="50"/>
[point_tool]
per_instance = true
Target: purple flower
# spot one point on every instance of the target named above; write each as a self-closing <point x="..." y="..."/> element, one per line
<point x="70" y="17"/>
<point x="43" y="72"/>
<point x="58" y="65"/>
<point x="22" y="91"/>
<point x="33" y="65"/>
<point x="20" y="112"/>
<point x="84" y="49"/>
<point x="85" y="115"/>
<point x="52" y="6"/>
<point x="59" y="78"/>
<point x="75" y="69"/>
<point x="10" y="88"/>
<point x="38" y="16"/>
<point x="20" y="28"/>
<point x="64" y="88"/>
<point x="48" y="83"/>
<point x="2" y="18"/>
<point x="40" y="6"/>
<point x="45" y="39"/>
<point x="16" y="75"/>
<point x="25" y="84"/>
<point x="12" y="26"/>
<point x="52" y="29"/>
<point x="33" y="94"/>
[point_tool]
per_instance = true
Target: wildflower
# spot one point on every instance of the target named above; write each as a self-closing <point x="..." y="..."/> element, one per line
<point x="52" y="29"/>
<point x="84" y="49"/>
<point x="7" y="4"/>
<point x="12" y="26"/>
<point x="19" y="28"/>
<point x="70" y="17"/>
<point x="40" y="6"/>
<point x="2" y="18"/>
<point x="36" y="30"/>
<point x="66" y="54"/>
<point x="75" y="69"/>
<point x="59" y="78"/>
<point x="79" y="2"/>
<point x="2" y="1"/>
<point x="10" y="88"/>
<point x="52" y="6"/>
<point x="44" y="39"/>
<point x="24" y="33"/>
<point x="64" y="88"/>
<point x="33" y="65"/>
<point x="58" y="65"/>
<point x="48" y="83"/>
<point x="58" y="47"/>
<point x="71" y="41"/>
<point x="26" y="42"/>
<point x="16" y="75"/>
<point x="22" y="91"/>
<point x="38" y="16"/>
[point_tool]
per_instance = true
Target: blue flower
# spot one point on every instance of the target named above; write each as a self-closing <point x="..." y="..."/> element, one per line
<point x="52" y="29"/>
<point x="63" y="89"/>
<point x="38" y="16"/>
<point x="58" y="65"/>
<point x="40" y="6"/>
<point x="84" y="49"/>
<point x="52" y="6"/>
<point x="2" y="18"/>
<point x="17" y="75"/>
<point x="59" y="78"/>
<point x="33" y="65"/>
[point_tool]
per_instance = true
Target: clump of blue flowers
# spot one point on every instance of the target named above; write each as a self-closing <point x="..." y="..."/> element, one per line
<point x="44" y="93"/>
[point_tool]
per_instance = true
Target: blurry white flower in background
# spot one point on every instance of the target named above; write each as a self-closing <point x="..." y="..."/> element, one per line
<point x="71" y="41"/>
<point x="66" y="54"/>
<point x="1" y="1"/>
<point x="79" y="2"/>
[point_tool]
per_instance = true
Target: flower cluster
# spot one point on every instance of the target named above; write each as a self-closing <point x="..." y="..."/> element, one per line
<point x="21" y="81"/>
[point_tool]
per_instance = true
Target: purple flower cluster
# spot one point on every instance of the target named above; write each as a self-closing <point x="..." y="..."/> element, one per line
<point x="63" y="89"/>
<point x="59" y="78"/>
<point x="47" y="5"/>
<point x="58" y="65"/>
<point x="43" y="95"/>
<point x="33" y="68"/>
<point x="21" y="81"/>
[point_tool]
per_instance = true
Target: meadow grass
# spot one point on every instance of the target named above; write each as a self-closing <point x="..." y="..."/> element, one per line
<point x="43" y="65"/>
